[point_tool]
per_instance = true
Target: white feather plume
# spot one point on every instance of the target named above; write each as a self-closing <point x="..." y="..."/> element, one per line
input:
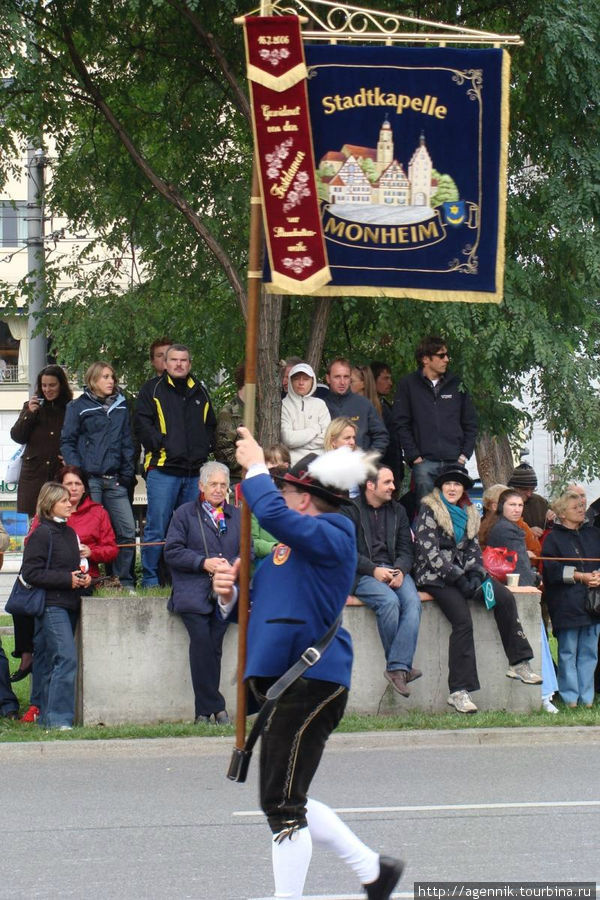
<point x="344" y="468"/>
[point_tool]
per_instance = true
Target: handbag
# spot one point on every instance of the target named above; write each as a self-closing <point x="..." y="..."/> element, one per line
<point x="24" y="599"/>
<point x="592" y="602"/>
<point x="499" y="561"/>
<point x="13" y="466"/>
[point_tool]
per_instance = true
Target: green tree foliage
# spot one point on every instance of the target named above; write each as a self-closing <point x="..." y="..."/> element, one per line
<point x="171" y="75"/>
<point x="446" y="189"/>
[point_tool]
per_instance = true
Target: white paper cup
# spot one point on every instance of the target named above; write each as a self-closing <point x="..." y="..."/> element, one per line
<point x="512" y="579"/>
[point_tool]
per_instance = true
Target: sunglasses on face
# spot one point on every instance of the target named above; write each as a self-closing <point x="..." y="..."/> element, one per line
<point x="445" y="355"/>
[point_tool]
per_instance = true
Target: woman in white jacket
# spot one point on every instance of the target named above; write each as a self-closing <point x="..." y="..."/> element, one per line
<point x="304" y="418"/>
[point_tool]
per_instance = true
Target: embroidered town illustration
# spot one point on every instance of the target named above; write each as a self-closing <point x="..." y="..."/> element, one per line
<point x="368" y="184"/>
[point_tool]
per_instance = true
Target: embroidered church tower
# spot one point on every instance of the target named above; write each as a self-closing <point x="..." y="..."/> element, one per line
<point x="385" y="148"/>
<point x="419" y="175"/>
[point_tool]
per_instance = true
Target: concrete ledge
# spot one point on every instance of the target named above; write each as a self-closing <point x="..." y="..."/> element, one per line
<point x="134" y="663"/>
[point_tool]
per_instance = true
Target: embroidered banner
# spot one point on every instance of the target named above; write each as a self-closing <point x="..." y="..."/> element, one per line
<point x="411" y="152"/>
<point x="282" y="138"/>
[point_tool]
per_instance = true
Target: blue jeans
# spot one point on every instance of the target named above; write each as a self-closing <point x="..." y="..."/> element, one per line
<point x="577" y="658"/>
<point x="8" y="699"/>
<point x="165" y="494"/>
<point x="113" y="496"/>
<point x="424" y="474"/>
<point x="57" y="667"/>
<point x="398" y="612"/>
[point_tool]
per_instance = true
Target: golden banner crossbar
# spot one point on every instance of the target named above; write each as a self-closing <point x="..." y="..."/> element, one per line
<point x="324" y="20"/>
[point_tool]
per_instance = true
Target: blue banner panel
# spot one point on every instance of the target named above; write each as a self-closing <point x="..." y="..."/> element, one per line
<point x="410" y="146"/>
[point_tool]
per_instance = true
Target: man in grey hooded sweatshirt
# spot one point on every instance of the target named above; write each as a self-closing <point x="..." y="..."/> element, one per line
<point x="304" y="418"/>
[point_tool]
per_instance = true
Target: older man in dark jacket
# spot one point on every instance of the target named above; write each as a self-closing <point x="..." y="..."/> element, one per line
<point x="383" y="581"/>
<point x="203" y="534"/>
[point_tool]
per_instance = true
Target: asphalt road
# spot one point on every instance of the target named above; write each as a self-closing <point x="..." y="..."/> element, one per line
<point x="158" y="819"/>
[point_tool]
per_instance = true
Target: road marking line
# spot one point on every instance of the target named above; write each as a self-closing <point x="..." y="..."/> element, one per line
<point x="456" y="807"/>
<point x="405" y="896"/>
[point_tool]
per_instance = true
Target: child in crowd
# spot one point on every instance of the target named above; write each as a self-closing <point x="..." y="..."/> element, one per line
<point x="277" y="458"/>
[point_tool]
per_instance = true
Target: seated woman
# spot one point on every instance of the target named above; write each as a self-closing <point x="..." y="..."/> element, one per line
<point x="448" y="565"/>
<point x="490" y="504"/>
<point x="51" y="560"/>
<point x="502" y="528"/>
<point x="202" y="535"/>
<point x="566" y="585"/>
<point x="304" y="418"/>
<point x="342" y="433"/>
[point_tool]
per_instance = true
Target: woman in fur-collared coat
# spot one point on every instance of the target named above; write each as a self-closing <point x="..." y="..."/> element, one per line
<point x="448" y="565"/>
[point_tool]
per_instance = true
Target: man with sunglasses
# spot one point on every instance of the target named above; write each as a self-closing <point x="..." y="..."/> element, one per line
<point x="435" y="421"/>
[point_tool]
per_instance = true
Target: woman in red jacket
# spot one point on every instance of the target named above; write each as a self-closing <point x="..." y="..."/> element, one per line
<point x="89" y="520"/>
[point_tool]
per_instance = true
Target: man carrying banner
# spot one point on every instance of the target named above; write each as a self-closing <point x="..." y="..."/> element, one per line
<point x="298" y="595"/>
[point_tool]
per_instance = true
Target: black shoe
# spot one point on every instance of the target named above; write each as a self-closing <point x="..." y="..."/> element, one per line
<point x="390" y="870"/>
<point x="222" y="718"/>
<point x="13" y="714"/>
<point x="201" y="720"/>
<point x="20" y="674"/>
<point x="398" y="678"/>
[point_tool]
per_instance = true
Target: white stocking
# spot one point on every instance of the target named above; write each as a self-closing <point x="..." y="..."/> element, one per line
<point x="327" y="829"/>
<point x="291" y="859"/>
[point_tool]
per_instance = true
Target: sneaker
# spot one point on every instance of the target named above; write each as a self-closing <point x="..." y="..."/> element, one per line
<point x="202" y="720"/>
<point x="31" y="715"/>
<point x="390" y="870"/>
<point x="548" y="705"/>
<point x="413" y="674"/>
<point x="398" y="678"/>
<point x="461" y="701"/>
<point x="222" y="718"/>
<point x="523" y="672"/>
<point x="65" y="728"/>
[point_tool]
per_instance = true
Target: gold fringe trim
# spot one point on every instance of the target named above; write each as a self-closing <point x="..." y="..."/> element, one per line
<point x="503" y="169"/>
<point x="277" y="83"/>
<point x="280" y="282"/>
<point x="277" y="287"/>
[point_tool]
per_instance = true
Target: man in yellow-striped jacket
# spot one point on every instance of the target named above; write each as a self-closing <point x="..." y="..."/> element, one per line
<point x="175" y="423"/>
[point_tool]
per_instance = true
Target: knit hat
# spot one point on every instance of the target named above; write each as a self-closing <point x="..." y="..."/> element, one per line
<point x="454" y="472"/>
<point x="523" y="476"/>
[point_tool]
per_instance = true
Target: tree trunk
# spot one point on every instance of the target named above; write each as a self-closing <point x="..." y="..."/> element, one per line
<point x="268" y="426"/>
<point x="494" y="459"/>
<point x="318" y="332"/>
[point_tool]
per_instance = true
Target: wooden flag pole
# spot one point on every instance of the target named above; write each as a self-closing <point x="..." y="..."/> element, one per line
<point x="254" y="286"/>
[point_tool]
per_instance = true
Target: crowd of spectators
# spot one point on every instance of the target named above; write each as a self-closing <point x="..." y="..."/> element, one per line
<point x="422" y="535"/>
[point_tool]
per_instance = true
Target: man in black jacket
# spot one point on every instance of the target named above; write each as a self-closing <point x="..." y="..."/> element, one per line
<point x="371" y="433"/>
<point x="435" y="421"/>
<point x="175" y="422"/>
<point x="383" y="582"/>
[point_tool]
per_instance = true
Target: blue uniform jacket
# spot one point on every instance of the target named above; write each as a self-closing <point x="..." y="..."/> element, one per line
<point x="97" y="442"/>
<point x="300" y="589"/>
